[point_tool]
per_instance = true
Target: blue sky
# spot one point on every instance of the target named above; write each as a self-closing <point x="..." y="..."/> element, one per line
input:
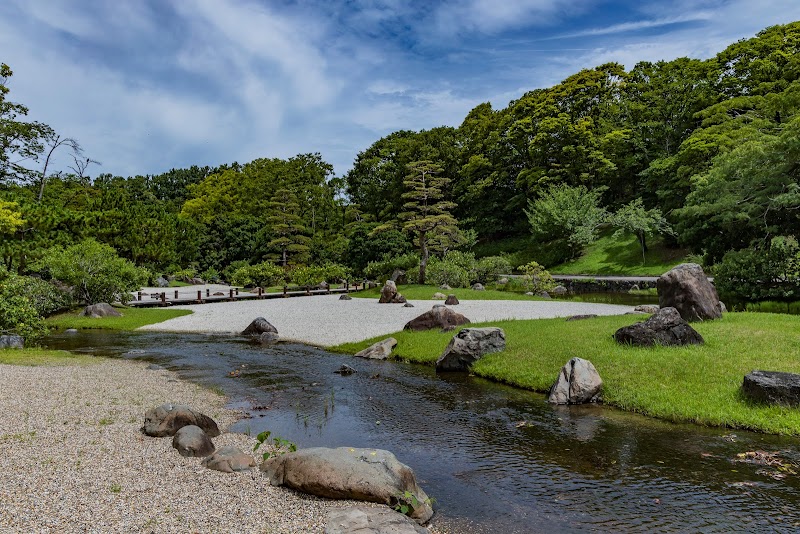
<point x="148" y="85"/>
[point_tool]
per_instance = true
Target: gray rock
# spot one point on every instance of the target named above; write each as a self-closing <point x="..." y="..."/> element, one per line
<point x="324" y="285"/>
<point x="372" y="475"/>
<point x="439" y="317"/>
<point x="559" y="290"/>
<point x="345" y="297"/>
<point x="544" y="295"/>
<point x="197" y="281"/>
<point x="439" y="296"/>
<point x="578" y="382"/>
<point x="162" y="282"/>
<point x="647" y="308"/>
<point x="445" y="287"/>
<point x="581" y="317"/>
<point x="408" y="305"/>
<point x="191" y="441"/>
<point x="345" y="370"/>
<point x="388" y="292"/>
<point x="71" y="331"/>
<point x="478" y="287"/>
<point x="687" y="289"/>
<point x="268" y="338"/>
<point x="258" y="327"/>
<point x="398" y="276"/>
<point x="379" y="351"/>
<point x="503" y="281"/>
<point x="468" y="346"/>
<point x="722" y="307"/>
<point x="452" y="300"/>
<point x="168" y="418"/>
<point x="665" y="327"/>
<point x="399" y="299"/>
<point x="772" y="387"/>
<point x="102" y="309"/>
<point x="634" y="287"/>
<point x="11" y="341"/>
<point x="229" y="460"/>
<point x="530" y="294"/>
<point x="366" y="520"/>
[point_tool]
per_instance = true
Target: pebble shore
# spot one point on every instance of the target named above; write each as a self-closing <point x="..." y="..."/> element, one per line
<point x="73" y="459"/>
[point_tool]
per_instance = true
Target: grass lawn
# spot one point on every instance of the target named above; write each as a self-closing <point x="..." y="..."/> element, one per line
<point x="35" y="357"/>
<point x="697" y="384"/>
<point x="623" y="256"/>
<point x="424" y="292"/>
<point x="131" y="319"/>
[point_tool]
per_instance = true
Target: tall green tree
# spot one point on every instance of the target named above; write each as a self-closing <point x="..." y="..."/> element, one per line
<point x="634" y="218"/>
<point x="426" y="214"/>
<point x="289" y="235"/>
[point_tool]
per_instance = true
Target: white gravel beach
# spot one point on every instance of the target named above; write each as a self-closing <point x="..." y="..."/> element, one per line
<point x="73" y="459"/>
<point x="324" y="320"/>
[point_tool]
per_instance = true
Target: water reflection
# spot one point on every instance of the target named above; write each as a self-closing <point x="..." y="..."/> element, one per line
<point x="497" y="459"/>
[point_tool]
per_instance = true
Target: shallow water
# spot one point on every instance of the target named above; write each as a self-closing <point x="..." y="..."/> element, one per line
<point x="495" y="458"/>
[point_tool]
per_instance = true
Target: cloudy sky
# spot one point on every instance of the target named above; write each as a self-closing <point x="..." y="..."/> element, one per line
<point x="148" y="85"/>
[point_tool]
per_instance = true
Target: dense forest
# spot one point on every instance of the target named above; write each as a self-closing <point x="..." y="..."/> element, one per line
<point x="704" y="152"/>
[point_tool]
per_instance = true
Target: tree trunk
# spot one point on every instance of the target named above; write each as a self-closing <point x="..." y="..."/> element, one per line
<point x="423" y="261"/>
<point x="643" y="242"/>
<point x="283" y="258"/>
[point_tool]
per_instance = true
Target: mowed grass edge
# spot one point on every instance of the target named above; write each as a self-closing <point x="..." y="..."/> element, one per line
<point x="699" y="384"/>
<point x="132" y="318"/>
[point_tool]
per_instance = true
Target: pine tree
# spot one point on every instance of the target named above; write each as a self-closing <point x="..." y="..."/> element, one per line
<point x="286" y="226"/>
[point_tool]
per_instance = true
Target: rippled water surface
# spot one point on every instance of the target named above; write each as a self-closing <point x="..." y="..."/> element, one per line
<point x="495" y="458"/>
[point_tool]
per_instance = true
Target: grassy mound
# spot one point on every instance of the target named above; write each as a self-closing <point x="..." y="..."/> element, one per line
<point x="132" y="318"/>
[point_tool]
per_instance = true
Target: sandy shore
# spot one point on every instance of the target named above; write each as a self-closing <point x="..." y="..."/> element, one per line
<point x="73" y="459"/>
<point x="326" y="321"/>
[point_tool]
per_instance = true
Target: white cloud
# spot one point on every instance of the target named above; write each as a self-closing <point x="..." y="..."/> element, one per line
<point x="488" y="16"/>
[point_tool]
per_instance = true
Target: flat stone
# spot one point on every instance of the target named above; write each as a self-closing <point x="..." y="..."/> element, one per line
<point x="581" y="317"/>
<point x="345" y="297"/>
<point x="229" y="460"/>
<point x="772" y="387"/>
<point x="167" y="419"/>
<point x="438" y="317"/>
<point x="366" y="520"/>
<point x="469" y="346"/>
<point x="665" y="327"/>
<point x="378" y="351"/>
<point x="647" y="308"/>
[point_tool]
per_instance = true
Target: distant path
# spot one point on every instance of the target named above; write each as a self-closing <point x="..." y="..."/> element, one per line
<point x="593" y="277"/>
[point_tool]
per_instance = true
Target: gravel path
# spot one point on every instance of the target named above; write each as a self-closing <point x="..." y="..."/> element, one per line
<point x="326" y="321"/>
<point x="73" y="459"/>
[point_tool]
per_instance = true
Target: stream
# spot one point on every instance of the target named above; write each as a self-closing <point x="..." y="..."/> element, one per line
<point x="495" y="458"/>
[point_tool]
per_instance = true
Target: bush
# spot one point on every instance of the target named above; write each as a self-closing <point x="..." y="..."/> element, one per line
<point x="489" y="269"/>
<point x="234" y="266"/>
<point x="382" y="270"/>
<point x="185" y="275"/>
<point x="262" y="274"/>
<point x="94" y="271"/>
<point x="313" y="275"/>
<point x="446" y="272"/>
<point x="536" y="278"/>
<point x="18" y="312"/>
<point x="755" y="274"/>
<point x="210" y="275"/>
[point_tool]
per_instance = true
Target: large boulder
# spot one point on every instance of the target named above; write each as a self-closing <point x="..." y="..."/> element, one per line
<point x="687" y="289"/>
<point x="12" y="342"/>
<point x="772" y="387"/>
<point x="468" y="346"/>
<point x="378" y="351"/>
<point x="101" y="309"/>
<point x="367" y="520"/>
<point x="665" y="327"/>
<point x="228" y="460"/>
<point x="452" y="300"/>
<point x="388" y="292"/>
<point x="439" y="317"/>
<point x="372" y="475"/>
<point x="168" y="418"/>
<point x="259" y="326"/>
<point x="578" y="382"/>
<point x="191" y="441"/>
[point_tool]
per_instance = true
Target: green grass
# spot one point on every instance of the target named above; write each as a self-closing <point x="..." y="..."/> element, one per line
<point x="132" y="318"/>
<point x="623" y="256"/>
<point x="423" y="292"/>
<point x="37" y="357"/>
<point x="697" y="384"/>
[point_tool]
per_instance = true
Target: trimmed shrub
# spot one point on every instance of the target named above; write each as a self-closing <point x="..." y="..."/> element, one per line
<point x="537" y="278"/>
<point x="262" y="274"/>
<point x="382" y="270"/>
<point x="18" y="312"/>
<point x="754" y="274"/>
<point x="446" y="272"/>
<point x="489" y="269"/>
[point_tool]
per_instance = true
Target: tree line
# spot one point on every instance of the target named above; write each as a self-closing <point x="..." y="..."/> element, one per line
<point x="705" y="150"/>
